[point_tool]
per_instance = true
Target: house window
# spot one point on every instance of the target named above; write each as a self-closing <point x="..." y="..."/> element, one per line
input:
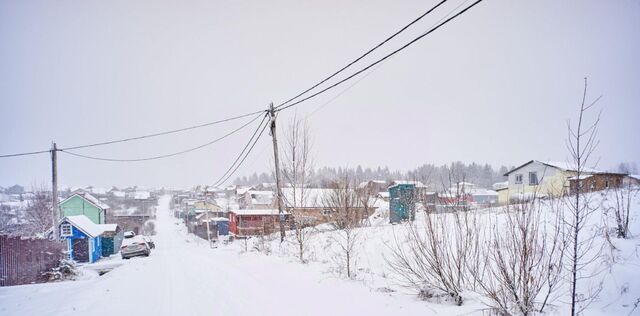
<point x="65" y="230"/>
<point x="518" y="179"/>
<point x="533" y="178"/>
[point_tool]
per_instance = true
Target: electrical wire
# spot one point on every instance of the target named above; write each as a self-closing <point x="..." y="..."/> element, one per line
<point x="365" y="54"/>
<point x="25" y="154"/>
<point x="229" y="171"/>
<point x="381" y="59"/>
<point x="164" y="133"/>
<point x="166" y="155"/>
<point x="245" y="157"/>
<point x="135" y="138"/>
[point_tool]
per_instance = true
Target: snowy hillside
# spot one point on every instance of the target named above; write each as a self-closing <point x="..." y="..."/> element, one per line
<point x="615" y="260"/>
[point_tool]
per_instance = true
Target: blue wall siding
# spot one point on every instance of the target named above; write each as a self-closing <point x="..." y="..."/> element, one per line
<point x="94" y="244"/>
<point x="401" y="203"/>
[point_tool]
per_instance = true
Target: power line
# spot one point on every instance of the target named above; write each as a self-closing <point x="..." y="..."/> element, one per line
<point x="166" y="155"/>
<point x="381" y="59"/>
<point x="25" y="154"/>
<point x="245" y="156"/>
<point x="376" y="67"/>
<point x="365" y="54"/>
<point x="229" y="171"/>
<point x="163" y="133"/>
<point x="135" y="138"/>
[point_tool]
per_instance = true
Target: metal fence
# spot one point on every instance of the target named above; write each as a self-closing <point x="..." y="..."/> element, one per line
<point x="23" y="261"/>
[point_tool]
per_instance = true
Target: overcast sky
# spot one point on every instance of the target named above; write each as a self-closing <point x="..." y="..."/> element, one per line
<point x="496" y="85"/>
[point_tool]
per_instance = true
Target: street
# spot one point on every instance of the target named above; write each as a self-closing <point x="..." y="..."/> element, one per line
<point x="183" y="276"/>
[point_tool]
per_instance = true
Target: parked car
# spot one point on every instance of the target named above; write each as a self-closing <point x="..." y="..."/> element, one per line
<point x="149" y="241"/>
<point x="133" y="247"/>
<point x="129" y="234"/>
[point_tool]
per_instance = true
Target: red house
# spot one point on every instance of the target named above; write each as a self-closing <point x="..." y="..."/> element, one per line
<point x="251" y="222"/>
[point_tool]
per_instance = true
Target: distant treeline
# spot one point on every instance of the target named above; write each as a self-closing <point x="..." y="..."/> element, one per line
<point x="483" y="175"/>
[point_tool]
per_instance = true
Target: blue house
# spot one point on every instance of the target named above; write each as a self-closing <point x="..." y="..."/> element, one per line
<point x="403" y="196"/>
<point x="83" y="236"/>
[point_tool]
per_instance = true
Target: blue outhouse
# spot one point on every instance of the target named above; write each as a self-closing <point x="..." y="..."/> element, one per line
<point x="402" y="199"/>
<point x="84" y="241"/>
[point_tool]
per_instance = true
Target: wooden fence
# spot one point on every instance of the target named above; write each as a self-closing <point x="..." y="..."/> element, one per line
<point x="22" y="261"/>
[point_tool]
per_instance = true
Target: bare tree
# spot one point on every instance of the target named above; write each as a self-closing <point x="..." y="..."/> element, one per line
<point x="367" y="197"/>
<point x="521" y="263"/>
<point x="38" y="214"/>
<point x="582" y="142"/>
<point x="344" y="205"/>
<point x="6" y="219"/>
<point x="297" y="167"/>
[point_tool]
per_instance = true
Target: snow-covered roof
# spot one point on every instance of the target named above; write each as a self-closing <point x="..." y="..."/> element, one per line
<point x="109" y="227"/>
<point x="418" y="184"/>
<point x="84" y="224"/>
<point x="90" y="198"/>
<point x="119" y="194"/>
<point x="500" y="185"/>
<point x="484" y="192"/>
<point x="364" y="184"/>
<point x="304" y="198"/>
<point x="141" y="195"/>
<point x="255" y="192"/>
<point x="257" y="212"/>
<point x="565" y="166"/>
<point x="582" y="177"/>
<point x="123" y="211"/>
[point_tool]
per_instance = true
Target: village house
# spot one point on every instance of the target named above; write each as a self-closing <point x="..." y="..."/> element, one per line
<point x="85" y="238"/>
<point x="83" y="203"/>
<point x="539" y="178"/>
<point x="596" y="182"/>
<point x="254" y="222"/>
<point x="373" y="187"/>
<point x="253" y="199"/>
<point x="310" y="205"/>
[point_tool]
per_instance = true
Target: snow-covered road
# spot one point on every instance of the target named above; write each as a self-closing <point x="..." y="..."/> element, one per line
<point x="183" y="276"/>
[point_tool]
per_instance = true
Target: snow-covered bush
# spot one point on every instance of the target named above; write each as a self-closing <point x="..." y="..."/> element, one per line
<point x="65" y="270"/>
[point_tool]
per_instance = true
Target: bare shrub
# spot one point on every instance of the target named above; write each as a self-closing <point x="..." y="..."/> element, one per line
<point x="520" y="268"/>
<point x="434" y="258"/>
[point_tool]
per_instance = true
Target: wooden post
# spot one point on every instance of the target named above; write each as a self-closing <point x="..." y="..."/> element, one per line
<point x="54" y="191"/>
<point x="272" y="114"/>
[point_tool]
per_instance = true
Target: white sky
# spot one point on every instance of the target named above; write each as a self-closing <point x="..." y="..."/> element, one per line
<point x="496" y="85"/>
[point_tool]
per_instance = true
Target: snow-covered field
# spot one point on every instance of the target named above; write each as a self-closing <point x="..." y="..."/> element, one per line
<point x="184" y="276"/>
<point x="616" y="267"/>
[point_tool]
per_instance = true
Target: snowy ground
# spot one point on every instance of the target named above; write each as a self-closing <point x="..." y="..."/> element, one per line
<point x="183" y="276"/>
<point x="617" y="268"/>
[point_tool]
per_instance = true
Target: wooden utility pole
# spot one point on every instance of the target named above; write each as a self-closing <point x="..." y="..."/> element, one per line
<point x="272" y="114"/>
<point x="54" y="190"/>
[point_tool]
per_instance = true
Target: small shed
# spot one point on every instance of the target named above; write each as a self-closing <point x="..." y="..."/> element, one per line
<point x="83" y="236"/>
<point x="223" y="225"/>
<point x="403" y="196"/>
<point x="111" y="239"/>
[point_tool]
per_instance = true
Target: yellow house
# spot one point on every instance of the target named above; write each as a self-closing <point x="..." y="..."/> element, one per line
<point x="538" y="178"/>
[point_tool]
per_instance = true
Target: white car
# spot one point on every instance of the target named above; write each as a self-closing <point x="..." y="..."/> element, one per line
<point x="134" y="246"/>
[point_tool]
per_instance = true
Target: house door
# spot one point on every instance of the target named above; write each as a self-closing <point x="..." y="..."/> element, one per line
<point x="81" y="250"/>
